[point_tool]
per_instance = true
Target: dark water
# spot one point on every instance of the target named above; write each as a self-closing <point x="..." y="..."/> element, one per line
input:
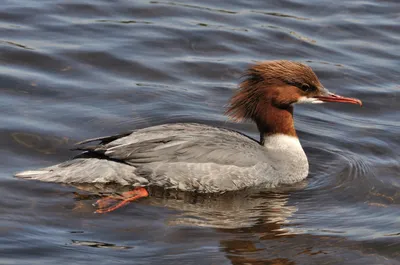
<point x="71" y="70"/>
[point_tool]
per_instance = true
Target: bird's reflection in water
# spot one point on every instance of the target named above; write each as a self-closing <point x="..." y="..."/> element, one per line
<point x="258" y="214"/>
<point x="236" y="210"/>
<point x="231" y="210"/>
<point x="249" y="216"/>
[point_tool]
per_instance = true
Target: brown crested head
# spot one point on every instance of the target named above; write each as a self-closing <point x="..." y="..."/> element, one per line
<point x="278" y="84"/>
<point x="272" y="83"/>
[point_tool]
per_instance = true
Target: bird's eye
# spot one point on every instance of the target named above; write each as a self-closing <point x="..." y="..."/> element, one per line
<point x="305" y="87"/>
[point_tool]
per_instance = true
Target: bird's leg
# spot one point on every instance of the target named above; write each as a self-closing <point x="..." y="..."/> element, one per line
<point x="111" y="203"/>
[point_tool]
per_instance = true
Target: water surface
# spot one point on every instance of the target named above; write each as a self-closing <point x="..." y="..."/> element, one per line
<point x="78" y="69"/>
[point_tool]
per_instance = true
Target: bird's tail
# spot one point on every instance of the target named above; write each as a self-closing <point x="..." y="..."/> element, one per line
<point x="86" y="170"/>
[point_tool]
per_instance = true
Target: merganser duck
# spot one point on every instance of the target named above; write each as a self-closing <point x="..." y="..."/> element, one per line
<point x="202" y="158"/>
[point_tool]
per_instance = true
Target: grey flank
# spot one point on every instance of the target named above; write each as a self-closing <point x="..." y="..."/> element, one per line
<point x="191" y="157"/>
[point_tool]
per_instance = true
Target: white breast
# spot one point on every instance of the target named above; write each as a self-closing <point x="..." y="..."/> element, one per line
<point x="288" y="157"/>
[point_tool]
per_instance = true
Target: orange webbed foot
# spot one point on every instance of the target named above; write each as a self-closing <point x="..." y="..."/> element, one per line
<point x="111" y="203"/>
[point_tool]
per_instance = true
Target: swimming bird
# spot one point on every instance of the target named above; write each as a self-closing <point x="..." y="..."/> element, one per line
<point x="202" y="158"/>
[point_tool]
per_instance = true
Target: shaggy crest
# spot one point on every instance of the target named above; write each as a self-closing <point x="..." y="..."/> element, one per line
<point x="251" y="97"/>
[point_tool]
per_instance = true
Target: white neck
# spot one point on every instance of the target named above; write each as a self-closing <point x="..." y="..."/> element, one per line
<point x="282" y="142"/>
<point x="288" y="155"/>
